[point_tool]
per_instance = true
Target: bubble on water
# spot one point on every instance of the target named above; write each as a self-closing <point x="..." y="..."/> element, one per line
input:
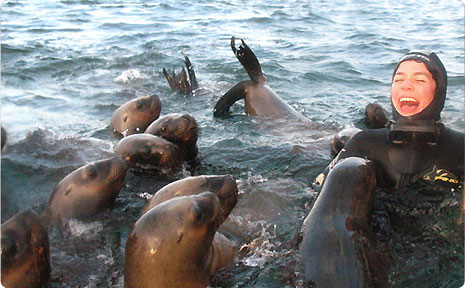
<point x="86" y="230"/>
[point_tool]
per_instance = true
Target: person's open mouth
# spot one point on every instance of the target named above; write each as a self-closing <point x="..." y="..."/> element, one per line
<point x="409" y="104"/>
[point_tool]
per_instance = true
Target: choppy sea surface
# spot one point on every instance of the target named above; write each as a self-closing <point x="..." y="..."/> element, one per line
<point x="66" y="66"/>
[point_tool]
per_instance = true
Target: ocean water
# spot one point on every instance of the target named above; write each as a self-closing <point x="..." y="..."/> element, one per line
<point x="66" y="66"/>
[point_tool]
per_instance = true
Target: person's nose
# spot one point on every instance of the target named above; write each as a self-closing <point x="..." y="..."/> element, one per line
<point x="407" y="84"/>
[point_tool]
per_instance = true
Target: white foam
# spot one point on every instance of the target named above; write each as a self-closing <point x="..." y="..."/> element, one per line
<point x="86" y="230"/>
<point x="145" y="195"/>
<point x="261" y="249"/>
<point x="108" y="260"/>
<point x="129" y="76"/>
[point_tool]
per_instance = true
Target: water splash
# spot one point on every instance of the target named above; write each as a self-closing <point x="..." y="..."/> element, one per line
<point x="145" y="195"/>
<point x="83" y="229"/>
<point x="129" y="76"/>
<point x="261" y="249"/>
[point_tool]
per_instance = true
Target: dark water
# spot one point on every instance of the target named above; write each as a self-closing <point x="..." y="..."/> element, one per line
<point x="67" y="65"/>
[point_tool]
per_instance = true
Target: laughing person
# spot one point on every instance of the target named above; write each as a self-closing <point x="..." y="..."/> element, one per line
<point x="359" y="236"/>
<point x="416" y="145"/>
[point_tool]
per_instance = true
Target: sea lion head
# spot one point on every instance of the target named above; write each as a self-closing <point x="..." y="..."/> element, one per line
<point x="180" y="129"/>
<point x="88" y="189"/>
<point x="149" y="151"/>
<point x="375" y="116"/>
<point x="25" y="251"/>
<point x="135" y="115"/>
<point x="169" y="245"/>
<point x="341" y="138"/>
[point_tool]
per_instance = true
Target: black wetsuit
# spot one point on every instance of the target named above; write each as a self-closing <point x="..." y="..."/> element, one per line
<point x="404" y="163"/>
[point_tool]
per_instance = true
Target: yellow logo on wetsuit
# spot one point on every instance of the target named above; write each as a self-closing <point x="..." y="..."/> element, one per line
<point x="441" y="175"/>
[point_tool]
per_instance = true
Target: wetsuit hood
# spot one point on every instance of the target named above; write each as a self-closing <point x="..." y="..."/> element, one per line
<point x="423" y="126"/>
<point x="437" y="70"/>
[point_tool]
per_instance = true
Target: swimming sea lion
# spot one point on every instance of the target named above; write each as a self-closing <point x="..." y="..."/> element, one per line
<point x="87" y="190"/>
<point x="341" y="138"/>
<point x="25" y="251"/>
<point x="4" y="137"/>
<point x="224" y="187"/>
<point x="338" y="247"/>
<point x="171" y="244"/>
<point x="179" y="82"/>
<point x="180" y="129"/>
<point x="259" y="98"/>
<point x="135" y="115"/>
<point x="150" y="152"/>
<point x="375" y="116"/>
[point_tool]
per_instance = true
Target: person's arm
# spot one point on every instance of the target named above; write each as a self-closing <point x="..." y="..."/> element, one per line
<point x="351" y="149"/>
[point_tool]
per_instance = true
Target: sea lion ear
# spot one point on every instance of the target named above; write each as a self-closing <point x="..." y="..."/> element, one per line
<point x="91" y="171"/>
<point x="197" y="214"/>
<point x="139" y="104"/>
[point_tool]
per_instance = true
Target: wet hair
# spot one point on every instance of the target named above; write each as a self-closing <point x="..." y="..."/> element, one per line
<point x="439" y="73"/>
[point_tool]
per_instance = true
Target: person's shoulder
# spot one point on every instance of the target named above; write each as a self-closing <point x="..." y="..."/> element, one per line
<point x="372" y="135"/>
<point x="449" y="134"/>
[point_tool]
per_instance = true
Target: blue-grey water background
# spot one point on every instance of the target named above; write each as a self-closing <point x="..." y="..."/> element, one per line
<point x="67" y="65"/>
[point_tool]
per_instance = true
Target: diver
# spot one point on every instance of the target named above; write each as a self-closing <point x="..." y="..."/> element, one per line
<point x="339" y="246"/>
<point x="416" y="144"/>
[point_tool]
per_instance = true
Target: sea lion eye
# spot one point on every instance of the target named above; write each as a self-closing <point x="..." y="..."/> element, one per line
<point x="91" y="171"/>
<point x="163" y="129"/>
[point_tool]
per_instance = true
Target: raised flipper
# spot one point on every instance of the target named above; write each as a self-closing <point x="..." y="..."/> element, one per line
<point x="234" y="94"/>
<point x="190" y="71"/>
<point x="179" y="82"/>
<point x="248" y="60"/>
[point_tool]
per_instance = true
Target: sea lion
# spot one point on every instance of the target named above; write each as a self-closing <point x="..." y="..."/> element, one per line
<point x="150" y="152"/>
<point x="180" y="129"/>
<point x="341" y="138"/>
<point x="25" y="251"/>
<point x="179" y="82"/>
<point x="87" y="190"/>
<point x="171" y="245"/>
<point x="375" y="116"/>
<point x="135" y="115"/>
<point x="338" y="247"/>
<point x="4" y="137"/>
<point x="259" y="98"/>
<point x="224" y="187"/>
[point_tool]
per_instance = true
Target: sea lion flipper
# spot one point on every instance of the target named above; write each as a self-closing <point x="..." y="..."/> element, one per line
<point x="248" y="60"/>
<point x="180" y="82"/>
<point x="227" y="100"/>
<point x="190" y="71"/>
<point x="169" y="79"/>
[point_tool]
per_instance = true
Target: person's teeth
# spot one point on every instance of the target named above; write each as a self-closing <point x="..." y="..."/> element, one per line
<point x="407" y="99"/>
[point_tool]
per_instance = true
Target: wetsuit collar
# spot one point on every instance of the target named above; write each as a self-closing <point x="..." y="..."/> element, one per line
<point x="405" y="130"/>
